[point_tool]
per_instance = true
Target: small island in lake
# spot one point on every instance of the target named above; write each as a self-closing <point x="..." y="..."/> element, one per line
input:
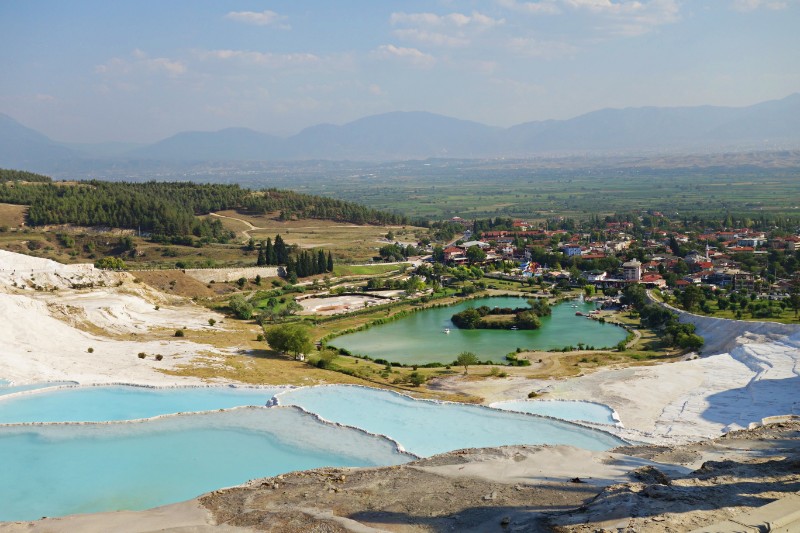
<point x="485" y="317"/>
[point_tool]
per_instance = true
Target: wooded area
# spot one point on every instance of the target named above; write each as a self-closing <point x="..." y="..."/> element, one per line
<point x="167" y="208"/>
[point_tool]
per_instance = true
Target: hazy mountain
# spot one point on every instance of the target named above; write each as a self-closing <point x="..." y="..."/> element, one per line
<point x="398" y="135"/>
<point x="227" y="144"/>
<point x="27" y="149"/>
<point x="654" y="128"/>
<point x="101" y="150"/>
<point x="419" y="135"/>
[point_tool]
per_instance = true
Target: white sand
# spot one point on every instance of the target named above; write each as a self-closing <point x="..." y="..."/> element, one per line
<point x="44" y="332"/>
<point x="186" y="517"/>
<point x="337" y="304"/>
<point x="549" y="464"/>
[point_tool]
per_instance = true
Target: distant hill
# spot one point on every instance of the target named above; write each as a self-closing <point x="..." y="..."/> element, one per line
<point x="398" y="135"/>
<point x="419" y="135"/>
<point x="765" y="125"/>
<point x="24" y="148"/>
<point x="228" y="144"/>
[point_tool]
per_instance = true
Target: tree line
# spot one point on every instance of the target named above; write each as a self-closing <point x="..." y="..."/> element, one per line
<point x="167" y="208"/>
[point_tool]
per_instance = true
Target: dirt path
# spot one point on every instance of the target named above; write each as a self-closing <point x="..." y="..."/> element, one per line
<point x="246" y="232"/>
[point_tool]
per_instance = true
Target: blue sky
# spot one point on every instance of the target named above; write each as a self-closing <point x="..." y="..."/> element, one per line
<point x="94" y="71"/>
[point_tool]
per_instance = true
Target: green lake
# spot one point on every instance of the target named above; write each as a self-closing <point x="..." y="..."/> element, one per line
<point x="420" y="338"/>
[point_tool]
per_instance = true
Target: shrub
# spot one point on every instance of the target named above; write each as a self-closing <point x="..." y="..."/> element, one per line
<point x="241" y="308"/>
<point x="416" y="379"/>
<point x="180" y="333"/>
<point x="260" y="337"/>
<point x="159" y="357"/>
<point x="211" y="321"/>
<point x="533" y="394"/>
<point x="90" y="350"/>
<point x="142" y="355"/>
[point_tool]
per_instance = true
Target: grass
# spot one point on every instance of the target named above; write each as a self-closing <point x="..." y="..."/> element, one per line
<point x="254" y="363"/>
<point x="366" y="270"/>
<point x="12" y="216"/>
<point x="348" y="242"/>
<point x="786" y="316"/>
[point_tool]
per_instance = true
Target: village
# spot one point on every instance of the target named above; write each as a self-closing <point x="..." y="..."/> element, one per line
<point x="714" y="266"/>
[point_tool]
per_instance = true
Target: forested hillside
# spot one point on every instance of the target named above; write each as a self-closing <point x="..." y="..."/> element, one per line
<point x="21" y="175"/>
<point x="167" y="208"/>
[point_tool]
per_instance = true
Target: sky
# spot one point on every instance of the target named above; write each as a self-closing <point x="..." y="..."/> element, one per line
<point x="142" y="70"/>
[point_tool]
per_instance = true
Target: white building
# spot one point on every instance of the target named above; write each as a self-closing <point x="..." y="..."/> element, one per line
<point x="632" y="270"/>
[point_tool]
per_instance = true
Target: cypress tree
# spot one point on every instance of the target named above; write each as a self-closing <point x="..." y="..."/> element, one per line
<point x="281" y="252"/>
<point x="269" y="253"/>
<point x="262" y="258"/>
<point x="322" y="263"/>
<point x="330" y="262"/>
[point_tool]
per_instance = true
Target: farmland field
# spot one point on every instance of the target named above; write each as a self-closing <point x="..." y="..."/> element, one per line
<point x="435" y="189"/>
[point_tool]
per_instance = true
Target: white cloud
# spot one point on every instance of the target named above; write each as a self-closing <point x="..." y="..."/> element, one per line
<point x="451" y="30"/>
<point x="412" y="56"/>
<point x="542" y="7"/>
<point x="260" y="18"/>
<point x="620" y="17"/>
<point x="265" y="59"/>
<point x="542" y="49"/>
<point x="141" y="62"/>
<point x="752" y="5"/>
<point x="431" y="37"/>
<point x="458" y="20"/>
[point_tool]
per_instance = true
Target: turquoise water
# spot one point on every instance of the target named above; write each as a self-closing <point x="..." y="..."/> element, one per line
<point x="565" y="410"/>
<point x="419" y="338"/>
<point x="3" y="383"/>
<point x="5" y="389"/>
<point x="98" y="404"/>
<point x="427" y="428"/>
<point x="57" y="470"/>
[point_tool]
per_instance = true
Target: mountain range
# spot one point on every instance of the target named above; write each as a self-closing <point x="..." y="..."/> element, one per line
<point x="420" y="135"/>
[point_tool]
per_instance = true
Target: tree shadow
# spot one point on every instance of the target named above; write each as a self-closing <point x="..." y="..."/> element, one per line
<point x="264" y="354"/>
